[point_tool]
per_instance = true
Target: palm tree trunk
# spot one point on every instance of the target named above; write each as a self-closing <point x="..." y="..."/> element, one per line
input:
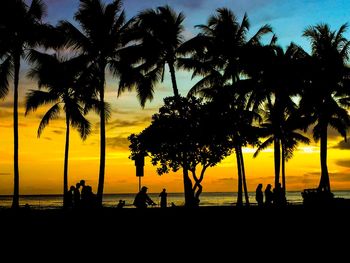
<point x="324" y="181"/>
<point x="15" y="201"/>
<point x="283" y="171"/>
<point x="65" y="173"/>
<point x="240" y="188"/>
<point x="277" y="157"/>
<point x="101" y="177"/>
<point x="244" y="178"/>
<point x="173" y="79"/>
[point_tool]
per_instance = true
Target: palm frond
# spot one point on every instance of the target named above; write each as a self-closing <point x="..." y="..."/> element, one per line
<point x="6" y="71"/>
<point x="36" y="98"/>
<point x="263" y="146"/>
<point x="51" y="114"/>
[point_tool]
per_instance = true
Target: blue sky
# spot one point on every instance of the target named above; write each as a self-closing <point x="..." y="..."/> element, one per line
<point x="287" y="17"/>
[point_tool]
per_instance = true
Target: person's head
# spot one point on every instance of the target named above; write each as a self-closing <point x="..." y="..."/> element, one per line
<point x="77" y="185"/>
<point x="144" y="188"/>
<point x="82" y="182"/>
<point x="164" y="190"/>
<point x="260" y="186"/>
<point x="72" y="188"/>
<point x="268" y="186"/>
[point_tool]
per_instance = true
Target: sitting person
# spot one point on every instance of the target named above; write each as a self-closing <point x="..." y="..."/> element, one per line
<point x="142" y="200"/>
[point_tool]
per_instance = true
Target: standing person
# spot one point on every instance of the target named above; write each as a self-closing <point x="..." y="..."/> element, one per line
<point x="259" y="196"/>
<point x="163" y="198"/>
<point x="268" y="195"/>
<point x="142" y="200"/>
<point x="77" y="195"/>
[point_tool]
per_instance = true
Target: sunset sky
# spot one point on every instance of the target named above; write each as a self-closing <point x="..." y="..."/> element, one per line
<point x="41" y="159"/>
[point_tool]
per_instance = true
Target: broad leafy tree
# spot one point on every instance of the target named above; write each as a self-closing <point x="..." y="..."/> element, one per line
<point x="175" y="140"/>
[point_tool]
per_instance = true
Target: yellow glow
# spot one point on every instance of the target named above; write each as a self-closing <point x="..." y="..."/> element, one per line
<point x="41" y="159"/>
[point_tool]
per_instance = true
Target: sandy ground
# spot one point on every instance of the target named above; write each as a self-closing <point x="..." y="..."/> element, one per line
<point x="201" y="233"/>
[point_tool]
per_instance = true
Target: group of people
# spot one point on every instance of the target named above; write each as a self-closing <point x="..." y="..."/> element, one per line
<point x="275" y="197"/>
<point x="76" y="198"/>
<point x="142" y="199"/>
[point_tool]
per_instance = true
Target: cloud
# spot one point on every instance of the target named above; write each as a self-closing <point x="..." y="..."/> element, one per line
<point x="128" y="123"/>
<point x="343" y="145"/>
<point x="118" y="142"/>
<point x="343" y="163"/>
<point x="58" y="131"/>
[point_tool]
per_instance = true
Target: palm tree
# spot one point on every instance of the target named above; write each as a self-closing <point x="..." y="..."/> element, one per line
<point x="60" y="78"/>
<point x="280" y="128"/>
<point x="218" y="53"/>
<point x="104" y="31"/>
<point x="326" y="98"/>
<point x="159" y="33"/>
<point x="20" y="29"/>
<point x="276" y="80"/>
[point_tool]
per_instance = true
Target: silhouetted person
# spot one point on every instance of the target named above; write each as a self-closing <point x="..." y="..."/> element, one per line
<point x="259" y="196"/>
<point x="83" y="193"/>
<point x="142" y="200"/>
<point x="268" y="195"/>
<point x="90" y="198"/>
<point x="77" y="195"/>
<point x="278" y="196"/>
<point x="163" y="198"/>
<point x="121" y="204"/>
<point x="69" y="197"/>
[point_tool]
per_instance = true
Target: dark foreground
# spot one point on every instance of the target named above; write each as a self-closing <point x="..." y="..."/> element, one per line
<point x="218" y="232"/>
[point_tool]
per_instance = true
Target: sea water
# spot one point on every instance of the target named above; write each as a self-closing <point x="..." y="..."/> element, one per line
<point x="111" y="200"/>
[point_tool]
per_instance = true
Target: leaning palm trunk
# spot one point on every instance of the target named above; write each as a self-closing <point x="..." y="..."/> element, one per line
<point x="246" y="196"/>
<point x="15" y="201"/>
<point x="102" y="144"/>
<point x="65" y="173"/>
<point x="324" y="181"/>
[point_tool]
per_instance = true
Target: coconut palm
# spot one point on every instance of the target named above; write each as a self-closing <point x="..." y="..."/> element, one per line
<point x="60" y="79"/>
<point x="282" y="129"/>
<point x="326" y="98"/>
<point x="104" y="30"/>
<point x="20" y="29"/>
<point x="160" y="35"/>
<point x="218" y="53"/>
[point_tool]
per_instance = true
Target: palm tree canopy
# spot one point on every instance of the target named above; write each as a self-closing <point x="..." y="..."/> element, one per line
<point x="222" y="48"/>
<point x="327" y="94"/>
<point x="158" y="36"/>
<point x="103" y="32"/>
<point x="20" y="29"/>
<point x="60" y="77"/>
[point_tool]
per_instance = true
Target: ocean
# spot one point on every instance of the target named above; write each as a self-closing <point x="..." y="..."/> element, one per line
<point x="111" y="200"/>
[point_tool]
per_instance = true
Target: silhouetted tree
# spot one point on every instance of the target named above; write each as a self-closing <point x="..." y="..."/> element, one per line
<point x="60" y="77"/>
<point x="217" y="55"/>
<point x="326" y="97"/>
<point x="103" y="35"/>
<point x="20" y="29"/>
<point x="158" y="34"/>
<point x="183" y="127"/>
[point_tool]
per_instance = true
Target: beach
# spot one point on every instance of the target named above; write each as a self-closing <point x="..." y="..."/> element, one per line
<point x="221" y="231"/>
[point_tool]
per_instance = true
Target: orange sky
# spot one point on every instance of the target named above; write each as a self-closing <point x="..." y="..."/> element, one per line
<point x="41" y="159"/>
